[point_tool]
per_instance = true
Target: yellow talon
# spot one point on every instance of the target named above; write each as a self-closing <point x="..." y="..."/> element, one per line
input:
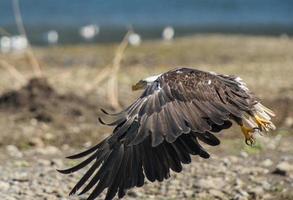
<point x="248" y="134"/>
<point x="262" y="123"/>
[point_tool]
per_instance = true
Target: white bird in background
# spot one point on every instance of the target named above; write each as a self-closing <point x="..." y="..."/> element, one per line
<point x="5" y="44"/>
<point x="52" y="37"/>
<point x="19" y="43"/>
<point x="16" y="43"/>
<point x="134" y="39"/>
<point x="88" y="32"/>
<point x="168" y="33"/>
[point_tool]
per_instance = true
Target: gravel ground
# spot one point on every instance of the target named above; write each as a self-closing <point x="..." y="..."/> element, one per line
<point x="267" y="174"/>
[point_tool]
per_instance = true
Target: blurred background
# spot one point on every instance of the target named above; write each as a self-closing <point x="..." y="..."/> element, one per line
<point x="62" y="61"/>
<point x="261" y="17"/>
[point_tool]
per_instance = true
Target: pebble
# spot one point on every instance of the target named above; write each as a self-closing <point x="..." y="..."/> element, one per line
<point x="289" y="122"/>
<point x="189" y="193"/>
<point x="267" y="163"/>
<point x="13" y="151"/>
<point x="218" y="194"/>
<point x="211" y="183"/>
<point x="4" y="186"/>
<point x="285" y="166"/>
<point x="266" y="185"/>
<point x="283" y="169"/>
<point x="44" y="162"/>
<point x="243" y="154"/>
<point x="238" y="183"/>
<point x="256" y="191"/>
<point x="49" y="136"/>
<point x="239" y="197"/>
<point x="233" y="159"/>
<point x="48" y="150"/>
<point x="36" y="142"/>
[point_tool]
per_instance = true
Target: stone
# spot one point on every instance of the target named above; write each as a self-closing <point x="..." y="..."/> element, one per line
<point x="13" y="151"/>
<point x="57" y="162"/>
<point x="211" y="183"/>
<point x="132" y="194"/>
<point x="279" y="172"/>
<point x="254" y="171"/>
<point x="266" y="185"/>
<point x="283" y="169"/>
<point x="189" y="193"/>
<point x="36" y="142"/>
<point x="44" y="162"/>
<point x="243" y="154"/>
<point x="286" y="166"/>
<point x="4" y="186"/>
<point x="289" y="122"/>
<point x="241" y="195"/>
<point x="49" y="136"/>
<point x="226" y="161"/>
<point x="267" y="163"/>
<point x="233" y="159"/>
<point x="49" y="150"/>
<point x="239" y="183"/>
<point x="218" y="194"/>
<point x="256" y="191"/>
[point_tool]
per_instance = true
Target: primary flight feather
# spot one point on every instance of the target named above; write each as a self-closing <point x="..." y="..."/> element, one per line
<point x="177" y="111"/>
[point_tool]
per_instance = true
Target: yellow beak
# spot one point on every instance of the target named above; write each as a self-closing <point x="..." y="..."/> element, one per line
<point x="138" y="86"/>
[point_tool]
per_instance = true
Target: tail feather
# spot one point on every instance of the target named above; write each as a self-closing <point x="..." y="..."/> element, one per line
<point x="266" y="114"/>
<point x="265" y="109"/>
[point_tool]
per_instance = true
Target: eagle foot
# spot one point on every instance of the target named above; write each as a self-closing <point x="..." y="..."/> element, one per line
<point x="262" y="123"/>
<point x="248" y="134"/>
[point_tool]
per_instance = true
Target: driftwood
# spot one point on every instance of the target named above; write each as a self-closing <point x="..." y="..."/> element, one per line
<point x="110" y="74"/>
<point x="29" y="52"/>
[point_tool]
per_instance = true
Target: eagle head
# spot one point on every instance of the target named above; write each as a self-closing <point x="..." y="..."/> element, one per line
<point x="142" y="84"/>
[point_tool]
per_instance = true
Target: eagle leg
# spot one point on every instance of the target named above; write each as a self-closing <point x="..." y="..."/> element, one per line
<point x="248" y="134"/>
<point x="263" y="124"/>
<point x="247" y="131"/>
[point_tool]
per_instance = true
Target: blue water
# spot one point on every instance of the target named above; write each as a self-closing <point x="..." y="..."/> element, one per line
<point x="149" y="16"/>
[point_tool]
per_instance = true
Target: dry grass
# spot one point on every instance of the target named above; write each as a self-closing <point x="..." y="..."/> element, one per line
<point x="265" y="63"/>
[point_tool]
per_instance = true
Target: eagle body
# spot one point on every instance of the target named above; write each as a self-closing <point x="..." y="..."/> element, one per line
<point x="177" y="112"/>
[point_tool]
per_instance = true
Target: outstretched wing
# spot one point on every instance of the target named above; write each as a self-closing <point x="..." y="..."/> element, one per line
<point x="185" y="100"/>
<point x="160" y="131"/>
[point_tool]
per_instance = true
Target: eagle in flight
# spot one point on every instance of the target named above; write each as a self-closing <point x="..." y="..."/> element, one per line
<point x="177" y="111"/>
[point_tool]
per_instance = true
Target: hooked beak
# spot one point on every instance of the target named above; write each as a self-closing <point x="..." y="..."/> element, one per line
<point x="140" y="85"/>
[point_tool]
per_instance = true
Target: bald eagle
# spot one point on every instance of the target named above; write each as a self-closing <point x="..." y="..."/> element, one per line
<point x="177" y="111"/>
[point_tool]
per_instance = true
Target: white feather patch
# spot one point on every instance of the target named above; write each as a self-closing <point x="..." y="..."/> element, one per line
<point x="152" y="78"/>
<point x="213" y="73"/>
<point x="241" y="83"/>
